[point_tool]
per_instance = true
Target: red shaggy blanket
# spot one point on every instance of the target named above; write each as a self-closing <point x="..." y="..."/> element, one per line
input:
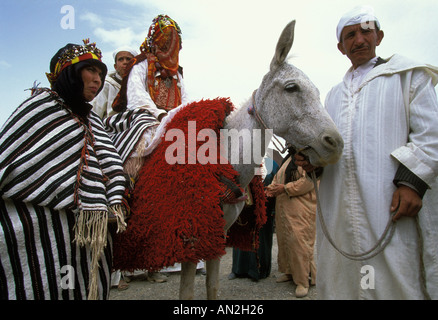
<point x="176" y="215"/>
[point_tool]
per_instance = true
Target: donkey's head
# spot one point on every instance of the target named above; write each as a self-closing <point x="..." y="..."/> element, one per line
<point x="289" y="103"/>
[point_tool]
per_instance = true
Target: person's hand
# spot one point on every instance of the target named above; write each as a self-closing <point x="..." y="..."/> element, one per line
<point x="406" y="201"/>
<point x="302" y="161"/>
<point x="274" y="190"/>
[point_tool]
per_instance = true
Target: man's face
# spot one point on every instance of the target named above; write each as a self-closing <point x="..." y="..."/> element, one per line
<point x="359" y="42"/>
<point x="91" y="77"/>
<point x="122" y="59"/>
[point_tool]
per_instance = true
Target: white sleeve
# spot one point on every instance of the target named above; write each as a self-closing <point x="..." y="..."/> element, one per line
<point x="184" y="95"/>
<point x="420" y="154"/>
<point x="137" y="93"/>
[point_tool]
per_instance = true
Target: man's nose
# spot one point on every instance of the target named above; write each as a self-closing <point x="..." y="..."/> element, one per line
<point x="359" y="39"/>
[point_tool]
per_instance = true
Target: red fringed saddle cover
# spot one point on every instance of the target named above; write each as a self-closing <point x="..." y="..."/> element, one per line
<point x="175" y="211"/>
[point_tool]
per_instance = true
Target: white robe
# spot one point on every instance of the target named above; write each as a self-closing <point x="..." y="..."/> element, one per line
<point x="391" y="118"/>
<point x="139" y="97"/>
<point x="138" y="93"/>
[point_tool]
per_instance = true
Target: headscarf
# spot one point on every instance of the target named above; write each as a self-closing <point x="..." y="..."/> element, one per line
<point x="162" y="47"/>
<point x="65" y="74"/>
<point x="161" y="50"/>
<point x="360" y="14"/>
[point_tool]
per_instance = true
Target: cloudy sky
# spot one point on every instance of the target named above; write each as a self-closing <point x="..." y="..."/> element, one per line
<point x="227" y="44"/>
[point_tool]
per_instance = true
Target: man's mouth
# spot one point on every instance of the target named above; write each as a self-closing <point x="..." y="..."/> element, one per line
<point x="360" y="49"/>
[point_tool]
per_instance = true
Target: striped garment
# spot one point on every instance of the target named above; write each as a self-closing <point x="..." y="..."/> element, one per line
<point x="58" y="179"/>
<point x="38" y="259"/>
<point x="127" y="129"/>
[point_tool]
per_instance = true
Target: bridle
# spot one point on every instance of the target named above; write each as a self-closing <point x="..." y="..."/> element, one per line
<point x="252" y="110"/>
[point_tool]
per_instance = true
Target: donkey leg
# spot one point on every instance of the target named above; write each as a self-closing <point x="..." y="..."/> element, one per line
<point x="187" y="281"/>
<point x="212" y="280"/>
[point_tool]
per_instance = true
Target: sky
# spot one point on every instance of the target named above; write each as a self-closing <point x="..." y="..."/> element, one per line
<point x="227" y="45"/>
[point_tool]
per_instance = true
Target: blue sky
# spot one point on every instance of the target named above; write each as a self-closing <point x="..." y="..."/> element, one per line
<point x="227" y="44"/>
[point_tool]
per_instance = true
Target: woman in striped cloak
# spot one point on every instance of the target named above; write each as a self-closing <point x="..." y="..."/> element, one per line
<point x="60" y="180"/>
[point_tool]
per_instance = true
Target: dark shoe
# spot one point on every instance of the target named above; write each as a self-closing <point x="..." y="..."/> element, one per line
<point x="232" y="276"/>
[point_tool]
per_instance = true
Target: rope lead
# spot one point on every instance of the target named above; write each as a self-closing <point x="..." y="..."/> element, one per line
<point x="380" y="244"/>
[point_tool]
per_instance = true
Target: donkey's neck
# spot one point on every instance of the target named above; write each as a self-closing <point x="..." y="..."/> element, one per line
<point x="242" y="121"/>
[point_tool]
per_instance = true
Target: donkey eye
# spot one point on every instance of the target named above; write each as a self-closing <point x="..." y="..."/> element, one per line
<point x="292" y="87"/>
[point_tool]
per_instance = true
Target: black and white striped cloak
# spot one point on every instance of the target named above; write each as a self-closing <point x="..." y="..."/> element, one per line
<point x="59" y="177"/>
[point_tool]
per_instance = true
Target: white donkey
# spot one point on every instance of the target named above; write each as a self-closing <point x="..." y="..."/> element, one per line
<point x="288" y="103"/>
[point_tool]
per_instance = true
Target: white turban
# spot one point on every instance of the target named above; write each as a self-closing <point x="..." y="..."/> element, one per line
<point x="361" y="14"/>
<point x="127" y="49"/>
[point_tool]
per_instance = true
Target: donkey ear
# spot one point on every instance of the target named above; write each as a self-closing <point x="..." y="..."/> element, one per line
<point x="284" y="45"/>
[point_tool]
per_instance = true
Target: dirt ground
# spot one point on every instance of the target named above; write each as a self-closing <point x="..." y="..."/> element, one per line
<point x="237" y="289"/>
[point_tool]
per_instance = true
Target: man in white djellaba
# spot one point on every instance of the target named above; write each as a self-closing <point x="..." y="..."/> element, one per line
<point x="387" y="113"/>
<point x="102" y="104"/>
